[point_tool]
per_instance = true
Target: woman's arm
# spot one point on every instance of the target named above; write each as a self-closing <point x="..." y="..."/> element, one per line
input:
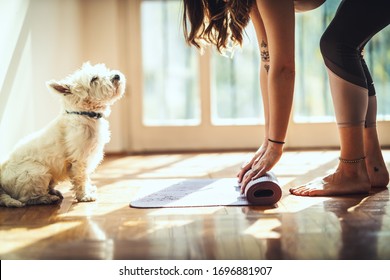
<point x="264" y="68"/>
<point x="279" y="25"/>
<point x="279" y="21"/>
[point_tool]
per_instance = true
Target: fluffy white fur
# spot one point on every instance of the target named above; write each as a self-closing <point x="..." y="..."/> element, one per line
<point x="69" y="148"/>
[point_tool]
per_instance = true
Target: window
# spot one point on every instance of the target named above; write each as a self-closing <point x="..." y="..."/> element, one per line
<point x="235" y="85"/>
<point x="171" y="82"/>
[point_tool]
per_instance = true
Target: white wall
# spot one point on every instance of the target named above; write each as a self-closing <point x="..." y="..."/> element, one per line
<point x="49" y="39"/>
<point x="104" y="24"/>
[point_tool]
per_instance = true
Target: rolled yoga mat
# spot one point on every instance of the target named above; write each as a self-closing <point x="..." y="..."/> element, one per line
<point x="264" y="190"/>
<point x="167" y="193"/>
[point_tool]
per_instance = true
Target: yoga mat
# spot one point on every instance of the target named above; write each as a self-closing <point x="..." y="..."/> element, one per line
<point x="206" y="192"/>
<point x="264" y="190"/>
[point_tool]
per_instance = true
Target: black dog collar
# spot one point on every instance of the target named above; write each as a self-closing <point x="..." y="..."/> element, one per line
<point x="92" y="115"/>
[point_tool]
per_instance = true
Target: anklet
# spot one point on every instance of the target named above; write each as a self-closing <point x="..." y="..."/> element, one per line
<point x="277" y="142"/>
<point x="352" y="160"/>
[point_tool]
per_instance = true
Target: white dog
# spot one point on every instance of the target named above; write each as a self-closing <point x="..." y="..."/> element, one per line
<point x="70" y="148"/>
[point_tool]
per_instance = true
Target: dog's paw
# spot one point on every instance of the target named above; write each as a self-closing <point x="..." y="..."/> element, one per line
<point x="44" y="199"/>
<point x="6" y="200"/>
<point x="87" y="198"/>
<point x="15" y="204"/>
<point x="89" y="195"/>
<point x="56" y="193"/>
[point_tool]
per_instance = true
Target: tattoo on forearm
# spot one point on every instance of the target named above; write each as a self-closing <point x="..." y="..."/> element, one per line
<point x="264" y="55"/>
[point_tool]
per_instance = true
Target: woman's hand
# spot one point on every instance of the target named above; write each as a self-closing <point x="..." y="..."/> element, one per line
<point x="247" y="165"/>
<point x="259" y="165"/>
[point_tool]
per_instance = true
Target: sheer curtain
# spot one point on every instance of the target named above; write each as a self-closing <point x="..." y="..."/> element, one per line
<point x="16" y="116"/>
<point x="32" y="42"/>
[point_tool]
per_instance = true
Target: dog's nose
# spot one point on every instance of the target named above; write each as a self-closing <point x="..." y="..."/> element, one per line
<point x="116" y="77"/>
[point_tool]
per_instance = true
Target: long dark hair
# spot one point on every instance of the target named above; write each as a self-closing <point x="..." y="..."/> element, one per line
<point x="216" y="22"/>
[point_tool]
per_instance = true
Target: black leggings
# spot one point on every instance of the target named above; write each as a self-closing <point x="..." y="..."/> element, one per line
<point x="355" y="23"/>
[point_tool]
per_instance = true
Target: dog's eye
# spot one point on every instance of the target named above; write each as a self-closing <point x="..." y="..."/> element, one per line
<point x="94" y="79"/>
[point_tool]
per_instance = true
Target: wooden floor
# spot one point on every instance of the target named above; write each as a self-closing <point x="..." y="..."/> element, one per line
<point x="353" y="227"/>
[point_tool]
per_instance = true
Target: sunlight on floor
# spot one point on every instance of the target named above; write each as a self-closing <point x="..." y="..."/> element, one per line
<point x="18" y="238"/>
<point x="187" y="211"/>
<point x="264" y="228"/>
<point x="294" y="204"/>
<point x="152" y="226"/>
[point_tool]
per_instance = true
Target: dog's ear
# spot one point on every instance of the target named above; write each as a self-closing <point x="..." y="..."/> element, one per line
<point x="59" y="87"/>
<point x="86" y="65"/>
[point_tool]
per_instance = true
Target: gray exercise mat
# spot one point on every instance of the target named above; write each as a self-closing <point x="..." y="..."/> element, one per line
<point x="204" y="192"/>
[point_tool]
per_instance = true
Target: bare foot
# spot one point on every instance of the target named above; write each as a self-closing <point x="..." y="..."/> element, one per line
<point x="377" y="172"/>
<point x="376" y="166"/>
<point x="347" y="179"/>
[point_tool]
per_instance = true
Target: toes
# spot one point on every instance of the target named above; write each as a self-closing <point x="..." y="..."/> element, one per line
<point x="304" y="191"/>
<point x="297" y="190"/>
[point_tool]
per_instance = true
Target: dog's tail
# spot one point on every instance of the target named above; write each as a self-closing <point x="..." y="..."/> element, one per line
<point x="6" y="199"/>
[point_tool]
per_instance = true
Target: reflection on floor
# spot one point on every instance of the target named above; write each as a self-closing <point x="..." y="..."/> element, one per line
<point x="350" y="227"/>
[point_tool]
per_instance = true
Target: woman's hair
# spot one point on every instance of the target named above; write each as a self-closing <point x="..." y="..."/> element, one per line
<point x="217" y="22"/>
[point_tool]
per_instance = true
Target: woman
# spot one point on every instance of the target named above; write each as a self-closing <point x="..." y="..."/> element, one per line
<point x="361" y="164"/>
<point x="221" y="23"/>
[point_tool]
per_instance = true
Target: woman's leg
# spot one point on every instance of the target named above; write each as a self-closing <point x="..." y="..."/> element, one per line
<point x="354" y="24"/>
<point x="376" y="166"/>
